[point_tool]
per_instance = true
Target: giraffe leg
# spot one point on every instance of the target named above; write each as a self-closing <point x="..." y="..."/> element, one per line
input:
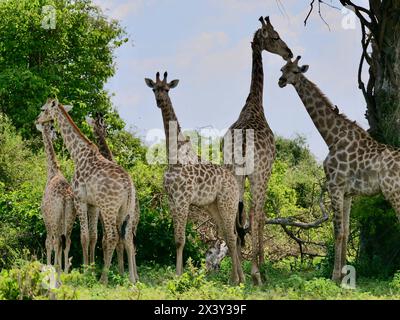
<point x="70" y="216"/>
<point x="93" y="216"/>
<point x="227" y="211"/>
<point x="111" y="238"/>
<point x="179" y="215"/>
<point x="120" y="255"/>
<point x="337" y="200"/>
<point x="346" y="228"/>
<point x="49" y="248"/>
<point x="130" y="252"/>
<point x="258" y="191"/>
<point x="57" y="252"/>
<point x="81" y="209"/>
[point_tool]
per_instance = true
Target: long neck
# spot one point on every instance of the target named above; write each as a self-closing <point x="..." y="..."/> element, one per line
<point x="257" y="73"/>
<point x="181" y="150"/>
<point x="323" y="113"/>
<point x="102" y="144"/>
<point x="52" y="165"/>
<point x="254" y="102"/>
<point x="169" y="118"/>
<point x="76" y="143"/>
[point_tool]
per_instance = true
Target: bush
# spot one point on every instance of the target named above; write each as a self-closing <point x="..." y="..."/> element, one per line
<point x="379" y="230"/>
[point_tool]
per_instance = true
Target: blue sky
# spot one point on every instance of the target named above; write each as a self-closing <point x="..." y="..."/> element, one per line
<point x="206" y="44"/>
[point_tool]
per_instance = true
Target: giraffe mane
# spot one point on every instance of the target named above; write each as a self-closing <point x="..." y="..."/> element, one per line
<point x="335" y="108"/>
<point x="65" y="113"/>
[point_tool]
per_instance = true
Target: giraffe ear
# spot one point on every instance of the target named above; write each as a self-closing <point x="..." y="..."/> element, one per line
<point x="68" y="108"/>
<point x="150" y="83"/>
<point x="304" y="68"/>
<point x="173" y="83"/>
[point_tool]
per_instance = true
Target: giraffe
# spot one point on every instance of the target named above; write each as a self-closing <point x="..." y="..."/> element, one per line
<point x="57" y="204"/>
<point x="100" y="132"/>
<point x="356" y="163"/>
<point x="190" y="183"/>
<point x="252" y="119"/>
<point x="97" y="183"/>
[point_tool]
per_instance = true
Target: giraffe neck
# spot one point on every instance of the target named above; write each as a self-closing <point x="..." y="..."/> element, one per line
<point x="254" y="102"/>
<point x="102" y="144"/>
<point x="185" y="152"/>
<point x="323" y="113"/>
<point x="53" y="167"/>
<point x="76" y="143"/>
<point x="257" y="72"/>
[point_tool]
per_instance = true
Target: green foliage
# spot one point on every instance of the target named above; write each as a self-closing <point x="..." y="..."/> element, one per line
<point x="376" y="222"/>
<point x="17" y="163"/>
<point x="72" y="61"/>
<point x="25" y="281"/>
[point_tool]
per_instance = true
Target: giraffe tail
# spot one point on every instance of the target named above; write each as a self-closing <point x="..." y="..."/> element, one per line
<point x="63" y="241"/>
<point x="63" y="227"/>
<point x="239" y="227"/>
<point x="123" y="227"/>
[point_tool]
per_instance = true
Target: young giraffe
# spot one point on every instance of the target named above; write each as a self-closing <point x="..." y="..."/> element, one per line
<point x="356" y="164"/>
<point x="100" y="133"/>
<point x="57" y="204"/>
<point x="252" y="118"/>
<point x="98" y="183"/>
<point x="189" y="183"/>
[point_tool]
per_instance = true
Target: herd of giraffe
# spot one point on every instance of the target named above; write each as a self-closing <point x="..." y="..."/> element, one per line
<point x="100" y="188"/>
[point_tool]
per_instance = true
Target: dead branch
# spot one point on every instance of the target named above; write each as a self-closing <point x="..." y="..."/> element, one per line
<point x="290" y="221"/>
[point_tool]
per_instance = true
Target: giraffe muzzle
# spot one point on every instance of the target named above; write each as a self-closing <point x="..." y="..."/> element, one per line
<point x="282" y="82"/>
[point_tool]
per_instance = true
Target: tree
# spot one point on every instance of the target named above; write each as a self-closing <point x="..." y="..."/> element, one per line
<point x="71" y="59"/>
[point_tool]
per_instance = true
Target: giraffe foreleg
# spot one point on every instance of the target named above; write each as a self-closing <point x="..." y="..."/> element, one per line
<point x="346" y="228"/>
<point x="337" y="200"/>
<point x="179" y="216"/>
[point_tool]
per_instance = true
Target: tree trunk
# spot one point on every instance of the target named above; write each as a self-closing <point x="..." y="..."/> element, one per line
<point x="384" y="84"/>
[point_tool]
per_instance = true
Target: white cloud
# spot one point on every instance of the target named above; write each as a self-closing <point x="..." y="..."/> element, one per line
<point x="120" y="9"/>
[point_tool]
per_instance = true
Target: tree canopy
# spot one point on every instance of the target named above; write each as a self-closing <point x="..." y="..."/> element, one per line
<point x="71" y="59"/>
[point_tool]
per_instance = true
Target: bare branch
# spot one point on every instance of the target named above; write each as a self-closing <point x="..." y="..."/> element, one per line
<point x="311" y="9"/>
<point x="320" y="15"/>
<point x="289" y="221"/>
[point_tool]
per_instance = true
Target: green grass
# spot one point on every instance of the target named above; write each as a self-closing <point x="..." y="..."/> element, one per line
<point x="160" y="282"/>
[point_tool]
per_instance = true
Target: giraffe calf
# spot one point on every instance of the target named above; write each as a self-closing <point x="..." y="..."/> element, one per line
<point x="57" y="205"/>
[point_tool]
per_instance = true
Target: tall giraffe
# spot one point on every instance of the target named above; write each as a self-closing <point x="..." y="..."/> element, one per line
<point x="356" y="164"/>
<point x="208" y="186"/>
<point x="100" y="133"/>
<point x="252" y="118"/>
<point x="98" y="183"/>
<point x="57" y="204"/>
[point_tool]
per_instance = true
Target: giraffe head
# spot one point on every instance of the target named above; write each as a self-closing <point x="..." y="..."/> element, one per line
<point x="161" y="87"/>
<point x="98" y="124"/>
<point x="48" y="111"/>
<point x="266" y="38"/>
<point x="48" y="128"/>
<point x="292" y="72"/>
